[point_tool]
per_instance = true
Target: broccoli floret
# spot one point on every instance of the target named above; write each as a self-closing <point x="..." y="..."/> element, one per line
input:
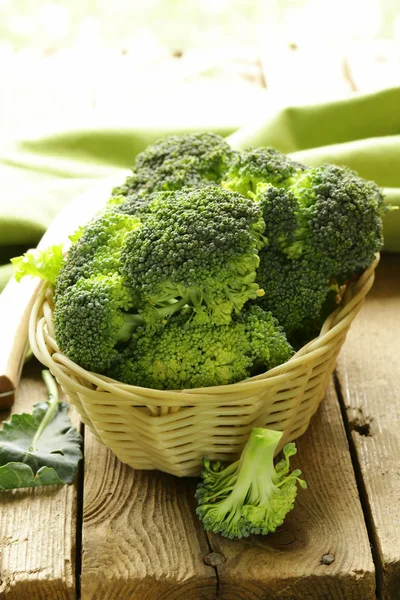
<point x="250" y="496"/>
<point x="294" y="289"/>
<point x="198" y="248"/>
<point x="324" y="227"/>
<point x="179" y="161"/>
<point x="97" y="250"/>
<point x="91" y="318"/>
<point x="340" y="217"/>
<point x="260" y="165"/>
<point x="280" y="209"/>
<point x="183" y="355"/>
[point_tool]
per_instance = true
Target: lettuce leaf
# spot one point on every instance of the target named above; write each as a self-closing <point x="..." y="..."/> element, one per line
<point x="39" y="263"/>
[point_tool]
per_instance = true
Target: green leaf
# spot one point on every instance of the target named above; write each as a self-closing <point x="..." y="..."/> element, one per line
<point x="39" y="263"/>
<point x="18" y="475"/>
<point x="41" y="448"/>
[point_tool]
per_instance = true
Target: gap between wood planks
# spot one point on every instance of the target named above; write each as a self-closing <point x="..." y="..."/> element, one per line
<point x="79" y="517"/>
<point x="361" y="487"/>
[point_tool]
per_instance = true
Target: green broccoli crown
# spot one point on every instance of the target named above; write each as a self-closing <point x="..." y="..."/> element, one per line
<point x="326" y="225"/>
<point x="250" y="496"/>
<point x="90" y="319"/>
<point x="97" y="251"/>
<point x="185" y="355"/>
<point x="294" y="289"/>
<point x="199" y="247"/>
<point x="178" y="161"/>
<point x="260" y="165"/>
<point x="340" y="218"/>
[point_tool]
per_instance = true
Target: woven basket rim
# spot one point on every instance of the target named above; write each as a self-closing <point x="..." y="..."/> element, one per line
<point x="351" y="302"/>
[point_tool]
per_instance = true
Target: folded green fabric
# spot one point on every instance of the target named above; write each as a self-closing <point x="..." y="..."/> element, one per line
<point x="39" y="176"/>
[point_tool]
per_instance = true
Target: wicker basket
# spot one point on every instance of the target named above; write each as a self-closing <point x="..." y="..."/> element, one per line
<point x="172" y="430"/>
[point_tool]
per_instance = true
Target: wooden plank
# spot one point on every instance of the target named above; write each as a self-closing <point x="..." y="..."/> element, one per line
<point x="141" y="539"/>
<point x="37" y="525"/>
<point x="369" y="375"/>
<point x="327" y="519"/>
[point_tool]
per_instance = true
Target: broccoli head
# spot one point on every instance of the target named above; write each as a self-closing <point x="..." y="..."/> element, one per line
<point x="340" y="218"/>
<point x="177" y="161"/>
<point x="91" y="319"/>
<point x="250" y="496"/>
<point x="184" y="355"/>
<point x="260" y="165"/>
<point x="197" y="248"/>
<point x="324" y="227"/>
<point x="294" y="289"/>
<point x="97" y="248"/>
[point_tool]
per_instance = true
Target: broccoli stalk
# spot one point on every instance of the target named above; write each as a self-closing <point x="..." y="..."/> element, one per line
<point x="251" y="495"/>
<point x="130" y="323"/>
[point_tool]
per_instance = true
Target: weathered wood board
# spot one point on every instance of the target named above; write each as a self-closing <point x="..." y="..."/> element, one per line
<point x="369" y="376"/>
<point x="141" y="539"/>
<point x="37" y="525"/>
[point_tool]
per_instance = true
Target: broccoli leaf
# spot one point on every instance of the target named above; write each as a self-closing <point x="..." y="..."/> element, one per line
<point x="41" y="448"/>
<point x="15" y="475"/>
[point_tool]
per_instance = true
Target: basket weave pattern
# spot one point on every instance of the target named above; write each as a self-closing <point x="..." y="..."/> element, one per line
<point x="172" y="430"/>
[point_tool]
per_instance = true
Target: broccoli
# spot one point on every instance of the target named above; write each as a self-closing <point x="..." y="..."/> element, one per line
<point x="184" y="355"/>
<point x="250" y="496"/>
<point x="196" y="248"/>
<point x="260" y="165"/>
<point x="325" y="226"/>
<point x="90" y="319"/>
<point x="97" y="248"/>
<point x="294" y="289"/>
<point x="183" y="262"/>
<point x="178" y="161"/>
<point x="340" y="217"/>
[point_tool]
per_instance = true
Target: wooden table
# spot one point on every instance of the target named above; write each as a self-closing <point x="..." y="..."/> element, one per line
<point x="122" y="534"/>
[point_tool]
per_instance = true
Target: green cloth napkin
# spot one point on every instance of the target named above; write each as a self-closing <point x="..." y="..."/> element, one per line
<point x="41" y="175"/>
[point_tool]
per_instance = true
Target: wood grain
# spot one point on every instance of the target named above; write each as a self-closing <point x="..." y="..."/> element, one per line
<point x="37" y="526"/>
<point x="327" y="519"/>
<point x="141" y="539"/>
<point x="369" y="375"/>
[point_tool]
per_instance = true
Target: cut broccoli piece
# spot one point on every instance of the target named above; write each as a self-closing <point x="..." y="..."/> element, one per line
<point x="178" y="161"/>
<point x="250" y="496"/>
<point x="199" y="248"/>
<point x="260" y="165"/>
<point x="184" y="355"/>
